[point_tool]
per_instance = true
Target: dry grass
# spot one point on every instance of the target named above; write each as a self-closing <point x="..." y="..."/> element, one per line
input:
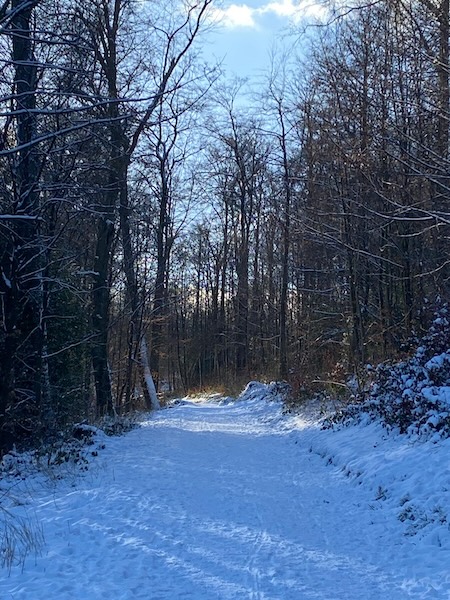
<point x="19" y="538"/>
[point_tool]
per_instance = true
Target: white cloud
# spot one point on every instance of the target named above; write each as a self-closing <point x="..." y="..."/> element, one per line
<point x="242" y="15"/>
<point x="235" y="15"/>
<point x="285" y="8"/>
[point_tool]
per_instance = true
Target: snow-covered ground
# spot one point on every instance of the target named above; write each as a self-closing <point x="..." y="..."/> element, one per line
<point x="232" y="500"/>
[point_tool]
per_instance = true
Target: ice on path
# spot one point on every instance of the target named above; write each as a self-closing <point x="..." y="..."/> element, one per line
<point x="209" y="502"/>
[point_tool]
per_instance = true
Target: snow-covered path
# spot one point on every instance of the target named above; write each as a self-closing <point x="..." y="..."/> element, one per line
<point x="208" y="501"/>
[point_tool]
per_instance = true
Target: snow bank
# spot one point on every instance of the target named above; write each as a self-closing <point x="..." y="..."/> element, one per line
<point x="409" y="480"/>
<point x="405" y="478"/>
<point x="408" y="476"/>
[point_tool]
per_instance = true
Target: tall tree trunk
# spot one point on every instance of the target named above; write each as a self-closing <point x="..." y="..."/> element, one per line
<point x="101" y="300"/>
<point x="162" y="250"/>
<point x="21" y="285"/>
<point x="242" y="296"/>
<point x="286" y="227"/>
<point x="129" y="265"/>
<point x="443" y="75"/>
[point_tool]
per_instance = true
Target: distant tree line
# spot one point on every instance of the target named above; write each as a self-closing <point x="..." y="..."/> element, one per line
<point x="158" y="235"/>
<point x="326" y="244"/>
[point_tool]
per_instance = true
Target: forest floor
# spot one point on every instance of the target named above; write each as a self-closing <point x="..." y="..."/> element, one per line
<point x="214" y="499"/>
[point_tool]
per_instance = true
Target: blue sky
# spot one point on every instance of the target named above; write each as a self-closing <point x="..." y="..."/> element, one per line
<point x="248" y="30"/>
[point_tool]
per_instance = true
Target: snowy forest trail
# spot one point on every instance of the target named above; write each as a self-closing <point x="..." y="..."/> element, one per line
<point x="207" y="501"/>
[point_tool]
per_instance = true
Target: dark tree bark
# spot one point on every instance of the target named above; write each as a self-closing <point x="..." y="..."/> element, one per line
<point x="21" y="281"/>
<point x="163" y="248"/>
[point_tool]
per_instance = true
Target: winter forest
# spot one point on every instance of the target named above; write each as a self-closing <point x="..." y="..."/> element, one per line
<point x="164" y="229"/>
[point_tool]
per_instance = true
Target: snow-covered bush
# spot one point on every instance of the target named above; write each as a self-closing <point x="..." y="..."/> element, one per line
<point x="118" y="425"/>
<point x="75" y="447"/>
<point x="412" y="395"/>
<point x="275" y="390"/>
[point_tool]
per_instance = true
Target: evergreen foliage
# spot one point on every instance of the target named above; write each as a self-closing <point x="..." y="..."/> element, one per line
<point x="412" y="395"/>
